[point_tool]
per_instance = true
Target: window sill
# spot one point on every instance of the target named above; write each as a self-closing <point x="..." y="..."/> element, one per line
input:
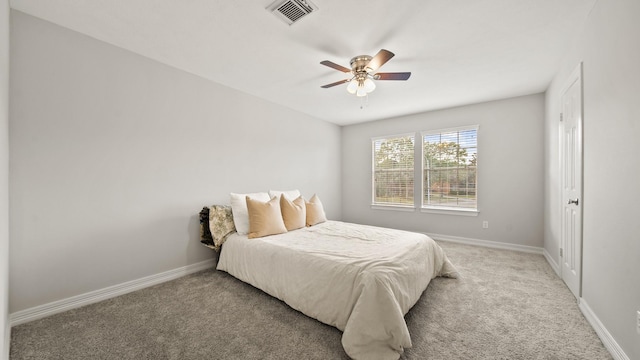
<point x="429" y="210"/>
<point x="393" y="207"/>
<point x="450" y="211"/>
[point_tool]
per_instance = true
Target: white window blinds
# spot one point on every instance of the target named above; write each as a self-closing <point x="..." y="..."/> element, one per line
<point x="450" y="168"/>
<point x="393" y="170"/>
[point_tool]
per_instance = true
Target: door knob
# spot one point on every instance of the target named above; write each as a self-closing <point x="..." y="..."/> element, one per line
<point x="574" y="201"/>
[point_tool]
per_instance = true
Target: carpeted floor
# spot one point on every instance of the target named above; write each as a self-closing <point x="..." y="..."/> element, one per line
<point x="506" y="305"/>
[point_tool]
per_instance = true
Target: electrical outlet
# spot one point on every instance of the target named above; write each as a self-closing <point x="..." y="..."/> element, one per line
<point x="638" y="322"/>
<point x="485" y="224"/>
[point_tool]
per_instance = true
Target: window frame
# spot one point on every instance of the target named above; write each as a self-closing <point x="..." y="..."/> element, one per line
<point x="449" y="210"/>
<point x="382" y="206"/>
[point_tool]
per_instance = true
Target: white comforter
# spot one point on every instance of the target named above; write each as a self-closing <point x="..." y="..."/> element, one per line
<point x="360" y="279"/>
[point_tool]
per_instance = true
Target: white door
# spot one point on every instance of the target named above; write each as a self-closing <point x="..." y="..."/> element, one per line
<point x="571" y="167"/>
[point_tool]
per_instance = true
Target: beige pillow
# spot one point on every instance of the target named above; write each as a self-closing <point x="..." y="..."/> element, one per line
<point x="294" y="213"/>
<point x="239" y="209"/>
<point x="264" y="218"/>
<point x="315" y="212"/>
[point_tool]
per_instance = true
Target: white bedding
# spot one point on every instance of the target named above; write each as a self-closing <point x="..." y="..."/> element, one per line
<point x="360" y="279"/>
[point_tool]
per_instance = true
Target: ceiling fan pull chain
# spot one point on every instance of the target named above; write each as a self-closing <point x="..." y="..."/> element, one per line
<point x="364" y="101"/>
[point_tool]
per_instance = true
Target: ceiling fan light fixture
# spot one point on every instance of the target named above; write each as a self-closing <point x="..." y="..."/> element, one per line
<point x="353" y="86"/>
<point x="369" y="85"/>
<point x="361" y="91"/>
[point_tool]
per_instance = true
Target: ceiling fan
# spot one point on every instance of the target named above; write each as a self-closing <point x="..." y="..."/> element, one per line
<point x="363" y="70"/>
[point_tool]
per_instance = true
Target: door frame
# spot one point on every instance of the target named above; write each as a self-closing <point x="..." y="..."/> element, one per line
<point x="576" y="76"/>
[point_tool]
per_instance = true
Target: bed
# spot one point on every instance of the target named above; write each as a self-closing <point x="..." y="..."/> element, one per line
<point x="359" y="279"/>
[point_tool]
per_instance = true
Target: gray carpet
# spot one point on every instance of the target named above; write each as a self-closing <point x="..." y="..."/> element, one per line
<point x="506" y="305"/>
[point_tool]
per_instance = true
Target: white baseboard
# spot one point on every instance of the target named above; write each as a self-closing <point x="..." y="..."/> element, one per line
<point x="41" y="311"/>
<point x="486" y="243"/>
<point x="607" y="340"/>
<point x="554" y="265"/>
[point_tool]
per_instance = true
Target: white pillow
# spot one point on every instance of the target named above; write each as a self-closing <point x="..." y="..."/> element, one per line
<point x="290" y="194"/>
<point x="240" y="212"/>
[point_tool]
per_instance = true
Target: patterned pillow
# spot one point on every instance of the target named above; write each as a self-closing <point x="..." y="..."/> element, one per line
<point x="220" y="224"/>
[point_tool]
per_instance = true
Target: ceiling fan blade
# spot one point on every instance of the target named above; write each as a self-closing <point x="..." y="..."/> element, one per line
<point x="392" y="76"/>
<point x="379" y="59"/>
<point x="335" y="83"/>
<point x="335" y="66"/>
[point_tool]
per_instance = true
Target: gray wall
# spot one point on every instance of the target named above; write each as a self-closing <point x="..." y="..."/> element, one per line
<point x="113" y="155"/>
<point x="510" y="173"/>
<point x="610" y="51"/>
<point x="4" y="179"/>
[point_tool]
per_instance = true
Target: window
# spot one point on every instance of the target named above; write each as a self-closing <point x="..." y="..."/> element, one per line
<point x="450" y="169"/>
<point x="393" y="169"/>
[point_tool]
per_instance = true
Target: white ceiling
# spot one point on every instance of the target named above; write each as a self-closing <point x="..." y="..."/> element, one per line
<point x="459" y="52"/>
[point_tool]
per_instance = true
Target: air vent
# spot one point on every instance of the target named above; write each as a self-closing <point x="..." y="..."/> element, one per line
<point x="291" y="11"/>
